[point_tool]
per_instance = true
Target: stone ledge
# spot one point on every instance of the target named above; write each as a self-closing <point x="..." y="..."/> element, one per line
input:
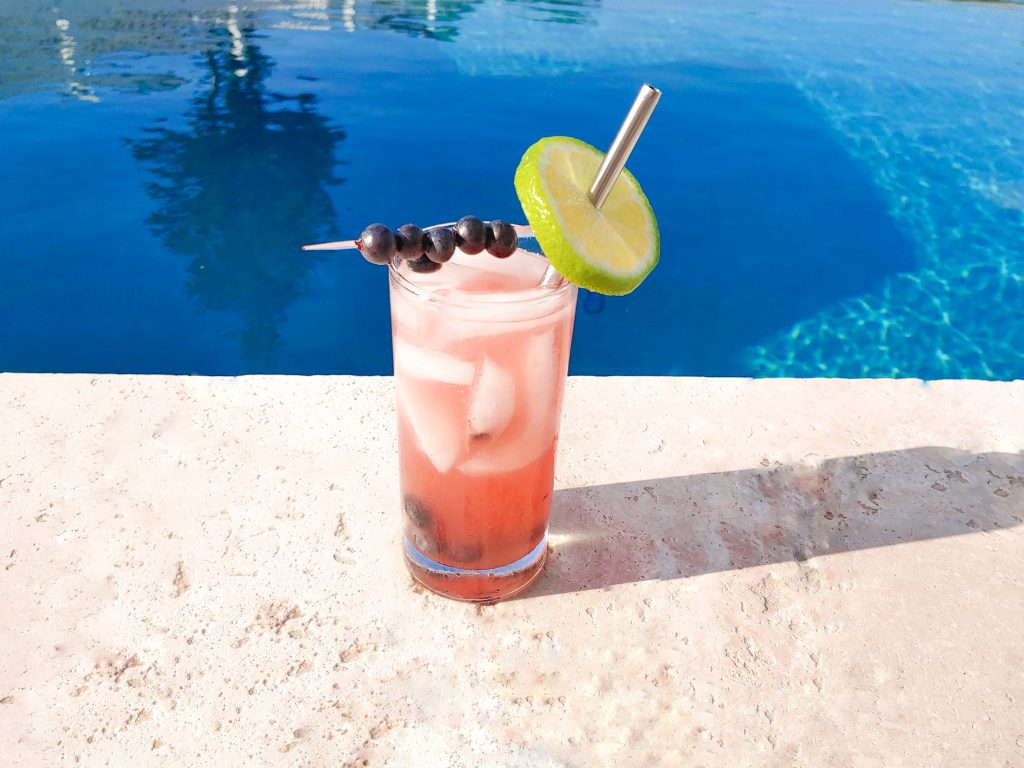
<point x="206" y="572"/>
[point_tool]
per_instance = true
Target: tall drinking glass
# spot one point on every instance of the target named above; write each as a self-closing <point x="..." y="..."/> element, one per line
<point x="481" y="352"/>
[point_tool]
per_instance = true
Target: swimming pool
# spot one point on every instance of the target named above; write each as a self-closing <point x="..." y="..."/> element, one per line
<point x="840" y="187"/>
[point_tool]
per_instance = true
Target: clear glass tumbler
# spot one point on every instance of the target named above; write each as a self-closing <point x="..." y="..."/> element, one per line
<point x="481" y="353"/>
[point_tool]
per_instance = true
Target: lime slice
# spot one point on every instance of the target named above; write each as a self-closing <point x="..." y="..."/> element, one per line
<point x="609" y="250"/>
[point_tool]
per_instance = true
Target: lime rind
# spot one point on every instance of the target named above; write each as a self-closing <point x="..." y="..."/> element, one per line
<point x="563" y="242"/>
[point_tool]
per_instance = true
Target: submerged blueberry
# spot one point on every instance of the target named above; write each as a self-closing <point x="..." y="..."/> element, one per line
<point x="422" y="530"/>
<point x="425" y="542"/>
<point x="502" y="239"/>
<point x="416" y="511"/>
<point x="439" y="245"/>
<point x="409" y="239"/>
<point x="377" y="244"/>
<point x="470" y="235"/>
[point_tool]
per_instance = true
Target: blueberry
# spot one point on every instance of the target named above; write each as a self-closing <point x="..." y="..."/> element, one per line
<point x="470" y="235"/>
<point x="409" y="239"/>
<point x="417" y="511"/>
<point x="424" y="265"/>
<point x="425" y="533"/>
<point x="439" y="244"/>
<point x="501" y="239"/>
<point x="377" y="244"/>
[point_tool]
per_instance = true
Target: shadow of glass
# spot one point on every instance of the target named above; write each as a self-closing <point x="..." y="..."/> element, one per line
<point x="676" y="527"/>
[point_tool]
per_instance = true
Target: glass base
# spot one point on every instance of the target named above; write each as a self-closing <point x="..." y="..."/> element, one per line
<point x="488" y="585"/>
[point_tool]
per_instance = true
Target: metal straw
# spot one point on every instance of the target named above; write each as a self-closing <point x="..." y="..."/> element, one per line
<point x="615" y="160"/>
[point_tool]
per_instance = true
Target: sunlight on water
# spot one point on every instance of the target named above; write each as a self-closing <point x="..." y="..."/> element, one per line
<point x="942" y="150"/>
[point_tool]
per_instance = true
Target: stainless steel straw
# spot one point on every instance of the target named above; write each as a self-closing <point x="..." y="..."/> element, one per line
<point x="643" y="105"/>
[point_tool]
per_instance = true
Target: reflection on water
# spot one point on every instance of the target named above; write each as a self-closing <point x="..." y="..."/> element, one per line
<point x="560" y="11"/>
<point x="242" y="187"/>
<point x="433" y="19"/>
<point x="82" y="46"/>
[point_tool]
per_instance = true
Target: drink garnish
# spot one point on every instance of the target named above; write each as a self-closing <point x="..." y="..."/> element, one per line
<point x="610" y="249"/>
<point x="589" y="214"/>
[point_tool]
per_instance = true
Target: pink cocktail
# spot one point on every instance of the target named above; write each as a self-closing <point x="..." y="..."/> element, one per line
<point x="481" y="352"/>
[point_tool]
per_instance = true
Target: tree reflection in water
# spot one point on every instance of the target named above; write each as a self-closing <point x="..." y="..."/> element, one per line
<point x="242" y="188"/>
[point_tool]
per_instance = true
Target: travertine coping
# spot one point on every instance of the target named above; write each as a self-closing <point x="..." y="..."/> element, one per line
<point x="206" y="572"/>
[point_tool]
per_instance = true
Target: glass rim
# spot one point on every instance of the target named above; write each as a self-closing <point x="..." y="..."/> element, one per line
<point x="524" y="297"/>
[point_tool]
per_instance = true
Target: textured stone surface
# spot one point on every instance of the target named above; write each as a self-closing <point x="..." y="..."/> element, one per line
<point x="206" y="572"/>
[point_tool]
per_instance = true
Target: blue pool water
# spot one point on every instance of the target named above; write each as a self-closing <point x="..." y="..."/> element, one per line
<point x="840" y="186"/>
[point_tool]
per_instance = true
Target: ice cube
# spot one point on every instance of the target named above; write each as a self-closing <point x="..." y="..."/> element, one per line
<point x="496" y="320"/>
<point x="492" y="402"/>
<point x="540" y="359"/>
<point x="431" y="365"/>
<point x="537" y="397"/>
<point x="439" y="429"/>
